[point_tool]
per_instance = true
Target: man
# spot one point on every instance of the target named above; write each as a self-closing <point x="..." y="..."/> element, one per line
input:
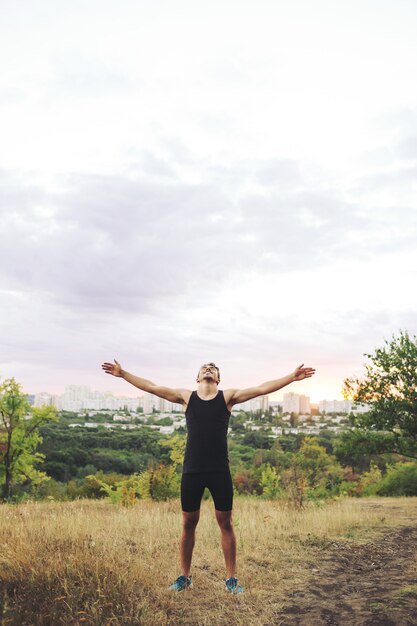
<point x="206" y="462"/>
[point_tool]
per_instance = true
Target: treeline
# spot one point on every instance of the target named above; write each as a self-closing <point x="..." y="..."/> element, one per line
<point x="76" y="452"/>
<point x="125" y="465"/>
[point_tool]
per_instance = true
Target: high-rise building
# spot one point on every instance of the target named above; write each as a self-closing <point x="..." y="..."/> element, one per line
<point x="305" y="404"/>
<point x="42" y="399"/>
<point x="342" y="406"/>
<point x="261" y="403"/>
<point x="335" y="406"/>
<point x="150" y="402"/>
<point x="79" y="398"/>
<point x="264" y="403"/>
<point x="291" y="403"/>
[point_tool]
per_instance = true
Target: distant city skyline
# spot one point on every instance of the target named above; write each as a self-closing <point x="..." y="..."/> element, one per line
<point x="129" y="390"/>
<point x="81" y="397"/>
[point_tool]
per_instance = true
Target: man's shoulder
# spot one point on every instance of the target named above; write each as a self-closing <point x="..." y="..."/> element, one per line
<point x="185" y="395"/>
<point x="228" y="394"/>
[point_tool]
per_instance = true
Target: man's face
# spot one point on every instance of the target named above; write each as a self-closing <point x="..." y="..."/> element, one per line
<point x="208" y="372"/>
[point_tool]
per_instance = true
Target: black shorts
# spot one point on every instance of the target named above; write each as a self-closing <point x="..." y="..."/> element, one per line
<point x="218" y="483"/>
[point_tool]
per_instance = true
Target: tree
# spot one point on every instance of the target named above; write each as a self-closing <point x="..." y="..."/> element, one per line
<point x="257" y="439"/>
<point x="159" y="483"/>
<point x="176" y="445"/>
<point x="163" y="482"/>
<point x="390" y="389"/>
<point x="294" y="419"/>
<point x="358" y="447"/>
<point x="19" y="438"/>
<point x="311" y="471"/>
<point x="314" y="461"/>
<point x="270" y="482"/>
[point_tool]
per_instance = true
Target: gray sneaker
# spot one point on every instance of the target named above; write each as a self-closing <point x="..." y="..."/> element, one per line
<point x="233" y="586"/>
<point x="181" y="583"/>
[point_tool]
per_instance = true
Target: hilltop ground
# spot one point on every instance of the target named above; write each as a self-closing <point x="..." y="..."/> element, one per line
<point x="346" y="563"/>
<point x="354" y="584"/>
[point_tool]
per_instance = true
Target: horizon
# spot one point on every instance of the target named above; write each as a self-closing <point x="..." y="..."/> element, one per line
<point x="132" y="392"/>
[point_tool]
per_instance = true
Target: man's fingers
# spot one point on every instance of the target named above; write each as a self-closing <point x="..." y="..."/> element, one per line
<point x="305" y="372"/>
<point x="309" y="371"/>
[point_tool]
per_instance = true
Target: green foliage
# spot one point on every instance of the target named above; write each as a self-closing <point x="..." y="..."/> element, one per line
<point x="122" y="492"/>
<point x="270" y="482"/>
<point x="257" y="439"/>
<point x="176" y="445"/>
<point x="358" y="447"/>
<point x="390" y="388"/>
<point x="160" y="483"/>
<point x="246" y="481"/>
<point x="274" y="456"/>
<point x="318" y="466"/>
<point x="291" y="443"/>
<point x="240" y="454"/>
<point x="52" y="490"/>
<point x="237" y="423"/>
<point x="69" y="450"/>
<point x="368" y="483"/>
<point x="19" y="438"/>
<point x="85" y="487"/>
<point x="164" y="482"/>
<point x="156" y="483"/>
<point x="311" y="473"/>
<point x="348" y="488"/>
<point x="400" y="480"/>
<point x="295" y="483"/>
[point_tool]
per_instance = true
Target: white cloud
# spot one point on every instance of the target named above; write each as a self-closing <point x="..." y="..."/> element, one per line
<point x="229" y="181"/>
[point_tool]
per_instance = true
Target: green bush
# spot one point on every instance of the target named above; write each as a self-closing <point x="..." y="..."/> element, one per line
<point x="270" y="482"/>
<point x="369" y="481"/>
<point x="160" y="483"/>
<point x="348" y="488"/>
<point x="400" y="480"/>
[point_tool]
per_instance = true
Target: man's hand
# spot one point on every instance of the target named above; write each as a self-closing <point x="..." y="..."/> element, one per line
<point x="115" y="369"/>
<point x="178" y="396"/>
<point x="302" y="372"/>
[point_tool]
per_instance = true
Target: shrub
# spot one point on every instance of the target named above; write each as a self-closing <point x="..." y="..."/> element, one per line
<point x="370" y="481"/>
<point x="348" y="488"/>
<point x="247" y="481"/>
<point x="270" y="482"/>
<point x="400" y="480"/>
<point x="124" y="491"/>
<point x="160" y="483"/>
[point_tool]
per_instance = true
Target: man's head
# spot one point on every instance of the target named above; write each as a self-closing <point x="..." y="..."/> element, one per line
<point x="209" y="372"/>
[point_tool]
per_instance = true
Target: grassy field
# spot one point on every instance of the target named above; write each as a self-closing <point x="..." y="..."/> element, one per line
<point x="90" y="562"/>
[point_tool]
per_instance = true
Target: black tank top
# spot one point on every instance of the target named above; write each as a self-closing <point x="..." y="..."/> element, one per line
<point x="207" y="425"/>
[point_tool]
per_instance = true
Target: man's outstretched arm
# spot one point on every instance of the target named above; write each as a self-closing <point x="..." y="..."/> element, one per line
<point x="179" y="396"/>
<point x="234" y="396"/>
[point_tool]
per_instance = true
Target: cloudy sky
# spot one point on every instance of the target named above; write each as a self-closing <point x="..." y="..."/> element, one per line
<point x="188" y="181"/>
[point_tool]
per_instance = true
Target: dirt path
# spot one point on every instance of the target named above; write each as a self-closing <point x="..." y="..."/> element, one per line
<point x="373" y="584"/>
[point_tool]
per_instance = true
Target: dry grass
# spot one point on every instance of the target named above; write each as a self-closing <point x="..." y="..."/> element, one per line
<point x="90" y="562"/>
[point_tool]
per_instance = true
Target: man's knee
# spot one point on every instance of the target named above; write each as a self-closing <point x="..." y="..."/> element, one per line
<point x="224" y="520"/>
<point x="190" y="520"/>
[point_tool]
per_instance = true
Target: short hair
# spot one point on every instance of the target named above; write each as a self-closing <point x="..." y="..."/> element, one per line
<point x="212" y="365"/>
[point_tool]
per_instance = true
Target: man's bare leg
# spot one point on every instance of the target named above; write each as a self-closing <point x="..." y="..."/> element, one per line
<point x="189" y="522"/>
<point x="224" y="519"/>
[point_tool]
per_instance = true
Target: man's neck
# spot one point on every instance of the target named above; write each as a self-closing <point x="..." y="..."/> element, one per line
<point x="207" y="389"/>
